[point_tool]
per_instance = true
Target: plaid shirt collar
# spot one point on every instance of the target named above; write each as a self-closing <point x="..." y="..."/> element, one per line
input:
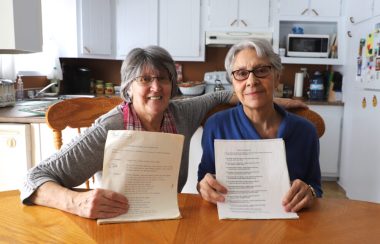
<point x="132" y="121"/>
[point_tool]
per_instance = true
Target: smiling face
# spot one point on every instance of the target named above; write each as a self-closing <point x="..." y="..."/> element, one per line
<point x="151" y="100"/>
<point x="254" y="93"/>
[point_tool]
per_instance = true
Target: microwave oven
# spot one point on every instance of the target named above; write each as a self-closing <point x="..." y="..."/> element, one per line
<point x="308" y="45"/>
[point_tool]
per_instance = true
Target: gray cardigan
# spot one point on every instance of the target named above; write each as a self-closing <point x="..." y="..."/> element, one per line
<point x="82" y="157"/>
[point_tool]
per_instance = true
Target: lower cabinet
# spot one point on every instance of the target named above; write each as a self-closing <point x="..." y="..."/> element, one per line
<point x="330" y="142"/>
<point x="15" y="154"/>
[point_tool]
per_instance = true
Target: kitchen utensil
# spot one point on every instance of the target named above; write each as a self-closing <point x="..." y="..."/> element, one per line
<point x="7" y="93"/>
<point x="218" y="85"/>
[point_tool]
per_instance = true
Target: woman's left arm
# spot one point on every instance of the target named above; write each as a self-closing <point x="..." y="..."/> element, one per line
<point x="299" y="196"/>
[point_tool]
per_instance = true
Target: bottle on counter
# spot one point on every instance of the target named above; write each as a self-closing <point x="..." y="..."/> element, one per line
<point x="317" y="87"/>
<point x="99" y="87"/>
<point x="19" y="89"/>
<point x="109" y="89"/>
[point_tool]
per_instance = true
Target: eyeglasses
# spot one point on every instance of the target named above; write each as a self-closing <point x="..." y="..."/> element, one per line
<point x="260" y="72"/>
<point x="146" y="80"/>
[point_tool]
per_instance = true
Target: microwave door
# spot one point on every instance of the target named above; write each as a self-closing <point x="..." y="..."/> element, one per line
<point x="299" y="46"/>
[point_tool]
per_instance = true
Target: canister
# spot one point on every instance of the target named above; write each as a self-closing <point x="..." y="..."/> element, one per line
<point x="109" y="89"/>
<point x="99" y="87"/>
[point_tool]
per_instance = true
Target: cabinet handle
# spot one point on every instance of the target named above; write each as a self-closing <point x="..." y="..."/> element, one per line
<point x="349" y="34"/>
<point x="352" y="20"/>
<point x="244" y="23"/>
<point x="233" y="22"/>
<point x="305" y="11"/>
<point x="11" y="142"/>
<point x="87" y="50"/>
<point x="315" y="12"/>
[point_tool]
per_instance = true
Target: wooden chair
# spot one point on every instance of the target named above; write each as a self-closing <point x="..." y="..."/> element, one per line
<point x="77" y="113"/>
<point x="307" y="113"/>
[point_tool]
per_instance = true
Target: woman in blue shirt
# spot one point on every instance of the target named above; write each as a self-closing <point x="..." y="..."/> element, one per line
<point x="255" y="71"/>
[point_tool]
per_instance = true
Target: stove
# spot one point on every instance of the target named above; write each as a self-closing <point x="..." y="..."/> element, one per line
<point x="211" y="78"/>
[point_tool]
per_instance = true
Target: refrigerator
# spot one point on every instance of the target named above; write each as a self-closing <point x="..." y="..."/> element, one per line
<point x="360" y="154"/>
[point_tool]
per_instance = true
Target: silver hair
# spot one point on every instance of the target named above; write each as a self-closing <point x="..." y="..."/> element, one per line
<point x="138" y="59"/>
<point x="263" y="49"/>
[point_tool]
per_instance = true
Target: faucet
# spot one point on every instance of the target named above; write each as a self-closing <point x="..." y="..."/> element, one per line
<point x="42" y="91"/>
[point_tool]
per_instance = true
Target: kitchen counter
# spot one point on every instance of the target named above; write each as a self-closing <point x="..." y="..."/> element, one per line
<point x="14" y="114"/>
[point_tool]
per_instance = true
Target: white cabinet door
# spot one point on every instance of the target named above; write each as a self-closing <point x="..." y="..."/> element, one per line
<point x="293" y="7"/>
<point x="180" y="29"/>
<point x="323" y="8"/>
<point x="253" y="14"/>
<point x="376" y="7"/>
<point x="15" y="155"/>
<point x="330" y="142"/>
<point x="359" y="11"/>
<point x="95" y="27"/>
<point x="136" y="25"/>
<point x="237" y="15"/>
<point x="222" y="14"/>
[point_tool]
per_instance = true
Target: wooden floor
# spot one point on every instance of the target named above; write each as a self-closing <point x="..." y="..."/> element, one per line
<point x="331" y="189"/>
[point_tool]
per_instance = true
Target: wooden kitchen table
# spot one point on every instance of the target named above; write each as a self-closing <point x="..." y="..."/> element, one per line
<point x="328" y="221"/>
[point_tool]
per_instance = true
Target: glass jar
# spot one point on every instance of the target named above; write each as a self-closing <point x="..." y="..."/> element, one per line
<point x="109" y="89"/>
<point x="99" y="87"/>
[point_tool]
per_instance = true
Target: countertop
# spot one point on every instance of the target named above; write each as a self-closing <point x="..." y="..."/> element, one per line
<point x="15" y="114"/>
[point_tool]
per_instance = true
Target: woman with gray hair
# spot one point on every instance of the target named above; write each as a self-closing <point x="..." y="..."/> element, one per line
<point x="149" y="81"/>
<point x="255" y="72"/>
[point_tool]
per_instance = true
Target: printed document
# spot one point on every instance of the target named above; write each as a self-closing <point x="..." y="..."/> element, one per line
<point x="144" y="166"/>
<point x="256" y="176"/>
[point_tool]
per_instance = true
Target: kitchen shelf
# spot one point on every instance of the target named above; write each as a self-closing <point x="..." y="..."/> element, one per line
<point x="323" y="61"/>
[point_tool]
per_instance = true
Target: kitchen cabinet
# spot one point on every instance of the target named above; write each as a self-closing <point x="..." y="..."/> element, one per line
<point x="237" y="15"/>
<point x="95" y="28"/>
<point x="21" y="26"/>
<point x="136" y="25"/>
<point x="15" y="151"/>
<point x="180" y="30"/>
<point x="376" y="8"/>
<point x="173" y="25"/>
<point x="330" y="142"/>
<point x="357" y="14"/>
<point x="322" y="8"/>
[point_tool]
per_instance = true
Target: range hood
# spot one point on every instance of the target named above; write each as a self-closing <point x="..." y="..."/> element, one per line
<point x="233" y="37"/>
<point x="20" y="26"/>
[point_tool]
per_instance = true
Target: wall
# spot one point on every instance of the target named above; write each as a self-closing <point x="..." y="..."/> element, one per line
<point x="109" y="70"/>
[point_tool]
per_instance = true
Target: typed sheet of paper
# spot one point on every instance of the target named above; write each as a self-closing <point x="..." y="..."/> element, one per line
<point x="144" y="166"/>
<point x="256" y="176"/>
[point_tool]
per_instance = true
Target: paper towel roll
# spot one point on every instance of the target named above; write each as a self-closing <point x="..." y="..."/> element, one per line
<point x="298" y="84"/>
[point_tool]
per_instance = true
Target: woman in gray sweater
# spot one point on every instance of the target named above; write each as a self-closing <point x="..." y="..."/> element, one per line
<point x="149" y="81"/>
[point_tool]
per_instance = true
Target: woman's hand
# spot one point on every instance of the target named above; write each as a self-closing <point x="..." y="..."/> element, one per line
<point x="298" y="197"/>
<point x="99" y="203"/>
<point x="211" y="190"/>
<point x="290" y="103"/>
<point x="93" y="204"/>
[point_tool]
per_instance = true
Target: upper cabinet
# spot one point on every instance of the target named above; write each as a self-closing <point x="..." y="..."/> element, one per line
<point x="322" y="8"/>
<point x="180" y="30"/>
<point x="95" y="28"/>
<point x="237" y="15"/>
<point x="172" y="24"/>
<point x="367" y="9"/>
<point x="136" y="25"/>
<point x="21" y="26"/>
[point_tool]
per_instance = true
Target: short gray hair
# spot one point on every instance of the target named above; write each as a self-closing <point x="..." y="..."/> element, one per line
<point x="263" y="49"/>
<point x="139" y="58"/>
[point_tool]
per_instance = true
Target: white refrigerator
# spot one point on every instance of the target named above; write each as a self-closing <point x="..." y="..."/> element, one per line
<point x="360" y="155"/>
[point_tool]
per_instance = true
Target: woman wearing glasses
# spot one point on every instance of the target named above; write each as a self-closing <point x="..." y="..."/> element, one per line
<point x="149" y="81"/>
<point x="255" y="71"/>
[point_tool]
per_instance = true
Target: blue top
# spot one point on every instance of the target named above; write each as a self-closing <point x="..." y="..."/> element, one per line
<point x="300" y="137"/>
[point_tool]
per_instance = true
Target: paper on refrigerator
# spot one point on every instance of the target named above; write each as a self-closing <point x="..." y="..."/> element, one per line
<point x="256" y="176"/>
<point x="144" y="166"/>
